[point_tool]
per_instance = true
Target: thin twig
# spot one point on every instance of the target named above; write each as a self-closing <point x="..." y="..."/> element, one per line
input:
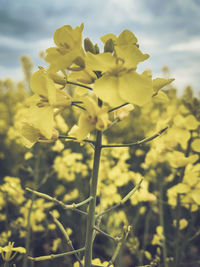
<point x="119" y="246"/>
<point x="80" y="85"/>
<point x="75" y="139"/>
<point x="66" y="236"/>
<point x="112" y="109"/>
<point x="76" y="105"/>
<point x="73" y="206"/>
<point x="54" y="256"/>
<point x="103" y="233"/>
<point x="128" y="196"/>
<point x="145" y="140"/>
<point x="112" y="123"/>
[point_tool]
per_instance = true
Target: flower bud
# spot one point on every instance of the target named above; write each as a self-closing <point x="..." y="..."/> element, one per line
<point x="80" y="62"/>
<point x="57" y="78"/>
<point x="109" y="46"/>
<point x="96" y="49"/>
<point x="55" y="135"/>
<point x="88" y="45"/>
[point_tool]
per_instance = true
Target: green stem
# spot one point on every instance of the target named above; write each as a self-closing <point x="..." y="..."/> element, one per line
<point x="177" y="237"/>
<point x="92" y="204"/>
<point x="73" y="138"/>
<point x="80" y="85"/>
<point x="119" y="246"/>
<point x="28" y="227"/>
<point x="6" y="264"/>
<point x="78" y="106"/>
<point x="118" y="107"/>
<point x="103" y="233"/>
<point x="162" y="223"/>
<point x="137" y="143"/>
<point x="54" y="256"/>
<point x="66" y="236"/>
<point x="128" y="196"/>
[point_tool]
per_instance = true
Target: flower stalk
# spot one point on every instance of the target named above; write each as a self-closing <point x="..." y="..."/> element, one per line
<point x="92" y="204"/>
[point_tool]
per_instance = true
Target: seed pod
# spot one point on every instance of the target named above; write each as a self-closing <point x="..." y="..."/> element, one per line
<point x="88" y="45"/>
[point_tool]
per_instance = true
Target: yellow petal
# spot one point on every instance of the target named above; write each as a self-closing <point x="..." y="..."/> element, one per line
<point x="191" y="122"/>
<point x="38" y="83"/>
<point x="159" y="83"/>
<point x="100" y="62"/>
<point x="91" y="106"/>
<point x="108" y="36"/>
<point x="84" y="127"/>
<point x="195" y="194"/>
<point x="68" y="38"/>
<point x="20" y="250"/>
<point x="196" y="145"/>
<point x="106" y="88"/>
<point x="30" y="134"/>
<point x="43" y="85"/>
<point x="135" y="88"/>
<point x="42" y="119"/>
<point x="126" y="38"/>
<point x="131" y="55"/>
<point x="161" y="96"/>
<point x="60" y="60"/>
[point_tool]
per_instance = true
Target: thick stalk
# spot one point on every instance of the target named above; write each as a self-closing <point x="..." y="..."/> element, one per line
<point x="92" y="205"/>
<point x="162" y="223"/>
<point x="28" y="226"/>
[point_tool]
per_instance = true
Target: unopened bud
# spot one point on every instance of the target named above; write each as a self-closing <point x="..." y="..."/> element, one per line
<point x="109" y="46"/>
<point x="58" y="78"/>
<point x="55" y="135"/>
<point x="96" y="48"/>
<point x="88" y="45"/>
<point x="80" y="62"/>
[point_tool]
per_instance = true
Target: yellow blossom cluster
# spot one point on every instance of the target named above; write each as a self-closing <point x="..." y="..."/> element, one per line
<point x="112" y="75"/>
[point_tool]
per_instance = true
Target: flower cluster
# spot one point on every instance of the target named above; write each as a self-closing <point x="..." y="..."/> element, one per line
<point x="112" y="75"/>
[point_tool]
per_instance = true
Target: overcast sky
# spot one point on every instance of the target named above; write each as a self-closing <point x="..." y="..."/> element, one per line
<point x="168" y="30"/>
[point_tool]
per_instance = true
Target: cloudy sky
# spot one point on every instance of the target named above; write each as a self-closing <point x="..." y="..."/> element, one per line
<point x="167" y="30"/>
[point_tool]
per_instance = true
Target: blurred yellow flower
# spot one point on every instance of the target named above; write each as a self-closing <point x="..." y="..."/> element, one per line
<point x="68" y="50"/>
<point x="94" y="117"/>
<point x="6" y="252"/>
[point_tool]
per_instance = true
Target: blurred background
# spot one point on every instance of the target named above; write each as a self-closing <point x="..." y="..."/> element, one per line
<point x="167" y="30"/>
<point x="165" y="212"/>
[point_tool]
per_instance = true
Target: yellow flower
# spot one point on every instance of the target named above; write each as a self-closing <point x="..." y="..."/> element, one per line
<point x="123" y="112"/>
<point x="93" y="118"/>
<point x="120" y="82"/>
<point x="158" y="237"/>
<point x="97" y="262"/>
<point x="6" y="252"/>
<point x="46" y="92"/>
<point x="68" y="50"/>
<point x="38" y="123"/>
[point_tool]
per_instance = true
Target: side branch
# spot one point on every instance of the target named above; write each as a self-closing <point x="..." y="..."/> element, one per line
<point x="129" y="195"/>
<point x="137" y="143"/>
<point x="119" y="245"/>
<point x="75" y="139"/>
<point x="103" y="233"/>
<point x="80" y="85"/>
<point x="66" y="236"/>
<point x="73" y="206"/>
<point x="54" y="256"/>
<point x="118" y="107"/>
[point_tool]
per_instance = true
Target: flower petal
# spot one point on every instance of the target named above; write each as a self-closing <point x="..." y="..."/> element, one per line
<point x="106" y="88"/>
<point x="135" y="88"/>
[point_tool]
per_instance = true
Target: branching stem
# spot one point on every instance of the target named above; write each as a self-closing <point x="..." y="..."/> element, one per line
<point x="137" y="143"/>
<point x="54" y="256"/>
